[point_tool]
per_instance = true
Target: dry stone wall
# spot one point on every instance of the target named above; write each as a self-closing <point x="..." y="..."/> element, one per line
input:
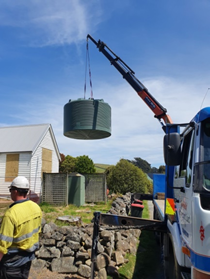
<point x="67" y="249"/>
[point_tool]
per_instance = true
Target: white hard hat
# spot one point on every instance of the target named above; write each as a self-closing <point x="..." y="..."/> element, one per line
<point x="20" y="182"/>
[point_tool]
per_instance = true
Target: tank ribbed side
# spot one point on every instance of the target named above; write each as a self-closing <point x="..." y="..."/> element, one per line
<point x="87" y="119"/>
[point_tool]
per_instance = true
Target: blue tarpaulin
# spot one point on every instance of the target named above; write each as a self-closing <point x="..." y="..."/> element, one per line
<point x="159" y="184"/>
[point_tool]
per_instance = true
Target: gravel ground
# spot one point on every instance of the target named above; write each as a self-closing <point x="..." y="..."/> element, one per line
<point x="150" y="206"/>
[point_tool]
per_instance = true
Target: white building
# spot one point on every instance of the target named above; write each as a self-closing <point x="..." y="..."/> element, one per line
<point x="29" y="151"/>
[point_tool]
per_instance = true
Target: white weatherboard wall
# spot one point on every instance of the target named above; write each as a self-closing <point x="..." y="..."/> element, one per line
<point x="24" y="169"/>
<point x="35" y="172"/>
<point x="36" y="163"/>
<point x="32" y="139"/>
<point x="3" y="184"/>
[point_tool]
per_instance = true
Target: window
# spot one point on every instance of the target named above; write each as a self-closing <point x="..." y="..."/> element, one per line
<point x="205" y="152"/>
<point x="187" y="156"/>
<point x="202" y="167"/>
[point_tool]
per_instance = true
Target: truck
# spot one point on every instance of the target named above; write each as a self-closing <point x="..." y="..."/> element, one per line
<point x="182" y="217"/>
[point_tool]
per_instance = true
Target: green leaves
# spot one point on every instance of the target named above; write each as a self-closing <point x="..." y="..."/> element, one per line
<point x="125" y="177"/>
<point x="81" y="164"/>
<point x="84" y="165"/>
<point x="68" y="165"/>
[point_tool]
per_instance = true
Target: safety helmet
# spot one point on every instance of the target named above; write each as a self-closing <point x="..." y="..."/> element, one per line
<point x="20" y="182"/>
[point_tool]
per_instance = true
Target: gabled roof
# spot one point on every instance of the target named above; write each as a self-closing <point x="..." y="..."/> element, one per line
<point x="24" y="138"/>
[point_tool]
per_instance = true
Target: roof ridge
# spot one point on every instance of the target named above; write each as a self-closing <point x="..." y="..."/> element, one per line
<point x="30" y="125"/>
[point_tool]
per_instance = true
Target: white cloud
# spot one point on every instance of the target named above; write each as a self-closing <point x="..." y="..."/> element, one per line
<point x="135" y="132"/>
<point x="51" y="22"/>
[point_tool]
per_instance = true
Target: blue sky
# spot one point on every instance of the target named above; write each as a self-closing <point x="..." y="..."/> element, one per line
<point x="42" y="66"/>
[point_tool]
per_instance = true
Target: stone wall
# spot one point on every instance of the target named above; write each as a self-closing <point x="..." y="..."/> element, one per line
<point x="67" y="249"/>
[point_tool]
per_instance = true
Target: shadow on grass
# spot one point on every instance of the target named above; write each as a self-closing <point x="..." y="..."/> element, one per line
<point x="149" y="264"/>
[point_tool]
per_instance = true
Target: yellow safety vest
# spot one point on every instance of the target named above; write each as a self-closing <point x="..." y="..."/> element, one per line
<point x="20" y="227"/>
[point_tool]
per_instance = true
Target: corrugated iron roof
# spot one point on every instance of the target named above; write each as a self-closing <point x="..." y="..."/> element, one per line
<point x="22" y="138"/>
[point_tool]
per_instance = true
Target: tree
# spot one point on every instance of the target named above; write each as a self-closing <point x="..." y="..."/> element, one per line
<point x="61" y="161"/>
<point x="150" y="186"/>
<point x="142" y="164"/>
<point x="84" y="165"/>
<point x="68" y="165"/>
<point x="162" y="169"/>
<point x="125" y="177"/>
<point x="154" y="170"/>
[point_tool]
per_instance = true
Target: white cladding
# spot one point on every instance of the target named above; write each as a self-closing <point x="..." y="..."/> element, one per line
<point x="24" y="169"/>
<point x="30" y="157"/>
<point x="36" y="162"/>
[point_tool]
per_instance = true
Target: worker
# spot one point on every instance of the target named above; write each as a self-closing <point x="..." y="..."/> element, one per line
<point x="19" y="232"/>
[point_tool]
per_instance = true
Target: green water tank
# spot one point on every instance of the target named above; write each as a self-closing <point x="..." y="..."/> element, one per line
<point x="87" y="119"/>
<point x="76" y="189"/>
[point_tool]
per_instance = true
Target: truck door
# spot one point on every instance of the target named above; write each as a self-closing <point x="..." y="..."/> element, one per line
<point x="183" y="179"/>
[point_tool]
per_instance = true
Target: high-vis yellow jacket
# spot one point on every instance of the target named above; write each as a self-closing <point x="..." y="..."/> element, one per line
<point x="20" y="227"/>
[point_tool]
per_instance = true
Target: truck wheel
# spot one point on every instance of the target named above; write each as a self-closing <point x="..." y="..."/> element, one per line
<point x="171" y="267"/>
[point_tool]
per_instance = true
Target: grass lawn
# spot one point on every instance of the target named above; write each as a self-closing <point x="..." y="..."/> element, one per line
<point x="50" y="213"/>
<point x="146" y="264"/>
<point x="101" y="168"/>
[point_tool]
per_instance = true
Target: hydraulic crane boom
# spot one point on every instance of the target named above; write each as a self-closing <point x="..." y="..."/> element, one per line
<point x="158" y="110"/>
